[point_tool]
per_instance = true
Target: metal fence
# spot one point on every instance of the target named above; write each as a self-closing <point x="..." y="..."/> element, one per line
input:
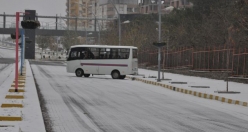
<point x="234" y="60"/>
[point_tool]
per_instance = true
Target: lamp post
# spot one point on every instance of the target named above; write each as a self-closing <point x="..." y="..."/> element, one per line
<point x="86" y="35"/>
<point x="152" y="4"/>
<point x="159" y="39"/>
<point x="16" y="46"/>
<point x="119" y="22"/>
<point x="58" y="39"/>
<point x="89" y="34"/>
<point x="167" y="59"/>
<point x="69" y="4"/>
<point x="85" y="28"/>
<point x="99" y="33"/>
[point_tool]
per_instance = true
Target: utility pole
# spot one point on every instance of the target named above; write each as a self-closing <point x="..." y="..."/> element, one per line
<point x="159" y="39"/>
<point x="119" y="21"/>
<point x="86" y="35"/>
<point x="58" y="38"/>
<point x="69" y="4"/>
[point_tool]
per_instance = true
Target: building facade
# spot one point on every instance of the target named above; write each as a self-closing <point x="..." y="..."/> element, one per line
<point x="180" y="3"/>
<point x="81" y="8"/>
<point x="107" y="9"/>
<point x="151" y="6"/>
<point x="97" y="9"/>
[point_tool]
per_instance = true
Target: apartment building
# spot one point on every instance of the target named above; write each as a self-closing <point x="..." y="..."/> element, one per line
<point x="180" y="3"/>
<point x="107" y="9"/>
<point x="81" y="8"/>
<point x="151" y="6"/>
<point x="98" y="9"/>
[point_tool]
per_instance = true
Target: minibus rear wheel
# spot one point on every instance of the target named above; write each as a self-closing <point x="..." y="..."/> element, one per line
<point x="122" y="76"/>
<point x="115" y="74"/>
<point x="86" y="75"/>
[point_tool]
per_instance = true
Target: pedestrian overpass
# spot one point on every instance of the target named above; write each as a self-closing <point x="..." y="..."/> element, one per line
<point x="51" y="26"/>
<point x="51" y="32"/>
<point x="58" y="27"/>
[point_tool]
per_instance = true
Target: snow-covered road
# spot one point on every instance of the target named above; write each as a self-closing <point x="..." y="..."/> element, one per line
<point x="100" y="103"/>
<point x="6" y="60"/>
<point x="7" y="52"/>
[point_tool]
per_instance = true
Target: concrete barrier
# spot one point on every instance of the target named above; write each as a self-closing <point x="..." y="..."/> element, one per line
<point x="194" y="93"/>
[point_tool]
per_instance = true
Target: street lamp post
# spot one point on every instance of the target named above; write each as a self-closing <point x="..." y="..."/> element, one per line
<point x="159" y="39"/>
<point x="96" y="21"/>
<point x="85" y="25"/>
<point x="69" y="4"/>
<point x="87" y="22"/>
<point x="167" y="59"/>
<point x="90" y="33"/>
<point x="152" y="4"/>
<point x="86" y="33"/>
<point x="119" y="22"/>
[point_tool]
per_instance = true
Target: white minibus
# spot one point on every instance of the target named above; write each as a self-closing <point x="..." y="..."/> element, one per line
<point x="117" y="61"/>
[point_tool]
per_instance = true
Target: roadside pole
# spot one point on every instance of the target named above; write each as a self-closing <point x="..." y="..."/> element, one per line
<point x="22" y="49"/>
<point x="17" y="44"/>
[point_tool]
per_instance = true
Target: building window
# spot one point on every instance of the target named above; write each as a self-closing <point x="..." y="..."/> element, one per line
<point x="136" y="10"/>
<point x="110" y="16"/>
<point x="186" y="2"/>
<point x="121" y="9"/>
<point x="129" y="9"/>
<point x="110" y="9"/>
<point x="182" y="2"/>
<point x="100" y="53"/>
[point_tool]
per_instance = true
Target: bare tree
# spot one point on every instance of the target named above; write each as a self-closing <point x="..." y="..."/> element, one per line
<point x="43" y="42"/>
<point x="70" y="38"/>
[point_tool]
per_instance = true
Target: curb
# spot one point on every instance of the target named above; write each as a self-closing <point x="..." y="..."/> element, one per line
<point x="194" y="93"/>
<point x="20" y="89"/>
<point x="10" y="128"/>
<point x="14" y="97"/>
<point x="10" y="116"/>
<point x="11" y="105"/>
<point x="19" y="84"/>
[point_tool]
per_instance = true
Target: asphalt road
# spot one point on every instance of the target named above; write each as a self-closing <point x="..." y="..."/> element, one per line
<point x="102" y="104"/>
<point x="6" y="58"/>
<point x="7" y="55"/>
<point x="6" y="61"/>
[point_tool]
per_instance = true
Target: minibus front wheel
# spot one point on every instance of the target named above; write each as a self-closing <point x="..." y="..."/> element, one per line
<point x="79" y="72"/>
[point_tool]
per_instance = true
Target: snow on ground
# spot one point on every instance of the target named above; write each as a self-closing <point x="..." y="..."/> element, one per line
<point x="215" y="85"/>
<point x="31" y="113"/>
<point x="127" y="106"/>
<point x="50" y="53"/>
<point x="6" y="52"/>
<point x="100" y="103"/>
<point x="2" y="66"/>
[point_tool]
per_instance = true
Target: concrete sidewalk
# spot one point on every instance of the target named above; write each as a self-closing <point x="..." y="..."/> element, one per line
<point x="20" y="111"/>
<point x="197" y="86"/>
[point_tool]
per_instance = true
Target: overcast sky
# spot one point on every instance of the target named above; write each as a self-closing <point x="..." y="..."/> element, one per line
<point x="42" y="7"/>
